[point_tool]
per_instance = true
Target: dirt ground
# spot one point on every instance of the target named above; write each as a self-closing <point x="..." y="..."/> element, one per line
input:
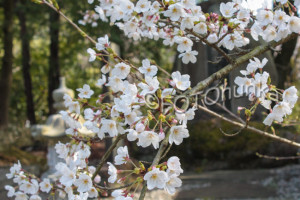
<point x="268" y="184"/>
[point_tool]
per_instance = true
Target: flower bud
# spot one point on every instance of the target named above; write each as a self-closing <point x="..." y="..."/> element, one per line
<point x="97" y="179"/>
<point x="140" y="127"/>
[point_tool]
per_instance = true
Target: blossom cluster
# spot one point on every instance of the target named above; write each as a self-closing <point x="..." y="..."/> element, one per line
<point x="29" y="186"/>
<point x="129" y="114"/>
<point x="147" y="124"/>
<point x="258" y="87"/>
<point x="182" y="22"/>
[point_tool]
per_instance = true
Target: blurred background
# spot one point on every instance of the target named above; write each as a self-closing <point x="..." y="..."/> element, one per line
<point x="37" y="47"/>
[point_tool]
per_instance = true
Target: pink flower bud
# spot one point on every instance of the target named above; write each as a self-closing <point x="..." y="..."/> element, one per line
<point x="140" y="127"/>
<point x="240" y="108"/>
<point x="174" y="121"/>
<point x="97" y="179"/>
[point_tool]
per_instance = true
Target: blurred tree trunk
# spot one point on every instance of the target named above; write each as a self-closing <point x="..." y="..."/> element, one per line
<point x="54" y="71"/>
<point x="7" y="62"/>
<point x="283" y="62"/>
<point x="26" y="61"/>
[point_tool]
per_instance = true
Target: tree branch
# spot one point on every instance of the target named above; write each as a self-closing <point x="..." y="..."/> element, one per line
<point x="255" y="130"/>
<point x="239" y="61"/>
<point x="107" y="153"/>
<point x="162" y="148"/>
<point x="116" y="188"/>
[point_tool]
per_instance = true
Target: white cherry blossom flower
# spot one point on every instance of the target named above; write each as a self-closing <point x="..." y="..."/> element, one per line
<point x="101" y="81"/>
<point x="174" y="166"/>
<point x="182" y="82"/>
<point x="15" y="169"/>
<point x="93" y="193"/>
<point x="121" y="70"/>
<point x="10" y="189"/>
<point x="109" y="126"/>
<point x="175" y="11"/>
<point x="174" y="182"/>
<point x="189" y="4"/>
<point x="61" y="150"/>
<point x="200" y="28"/>
<point x="150" y="86"/>
<point x="188" y="22"/>
<point x="280" y="18"/>
<point x="147" y="138"/>
<point x="85" y="92"/>
<point x="45" y="185"/>
<point x="29" y="187"/>
<point x="189" y="56"/>
<point x="103" y="43"/>
<point x="112" y="172"/>
<point x="227" y="9"/>
<point x="142" y="6"/>
<point x="127" y="7"/>
<point x="132" y="135"/>
<point x="282" y="109"/>
<point x="212" y="38"/>
<point x="290" y="96"/>
<point x="294" y="24"/>
<point x="260" y="85"/>
<point x="35" y="197"/>
<point x="183" y="117"/>
<point x="92" y="53"/>
<point x="68" y="176"/>
<point x="269" y="33"/>
<point x="254" y="65"/>
<point x="122" y="156"/>
<point x="74" y="106"/>
<point x="83" y="183"/>
<point x="156" y="179"/>
<point x="265" y="17"/>
<point x="105" y="69"/>
<point x="147" y="69"/>
<point x="178" y="133"/>
<point x="21" y="196"/>
<point x="184" y="44"/>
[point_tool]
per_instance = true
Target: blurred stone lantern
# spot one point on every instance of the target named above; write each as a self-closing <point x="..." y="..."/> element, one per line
<point x="54" y="128"/>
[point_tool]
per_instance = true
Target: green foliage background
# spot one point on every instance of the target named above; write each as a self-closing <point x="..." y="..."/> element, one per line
<point x="74" y="63"/>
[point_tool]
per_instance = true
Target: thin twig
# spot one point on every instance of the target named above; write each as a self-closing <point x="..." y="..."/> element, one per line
<point x="163" y="146"/>
<point x="277" y="157"/>
<point x="238" y="62"/>
<point x="228" y="111"/>
<point x="107" y="154"/>
<point x="166" y="152"/>
<point x="116" y="188"/>
<point x="85" y="35"/>
<point x="72" y="23"/>
<point x="255" y="130"/>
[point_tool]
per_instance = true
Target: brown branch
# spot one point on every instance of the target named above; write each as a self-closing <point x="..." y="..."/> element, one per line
<point x="85" y="35"/>
<point x="115" y="188"/>
<point x="107" y="154"/>
<point x="277" y="158"/>
<point x="163" y="146"/>
<point x="255" y="130"/>
<point x="71" y="22"/>
<point x="166" y="152"/>
<point x="239" y="61"/>
<point x="228" y="111"/>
